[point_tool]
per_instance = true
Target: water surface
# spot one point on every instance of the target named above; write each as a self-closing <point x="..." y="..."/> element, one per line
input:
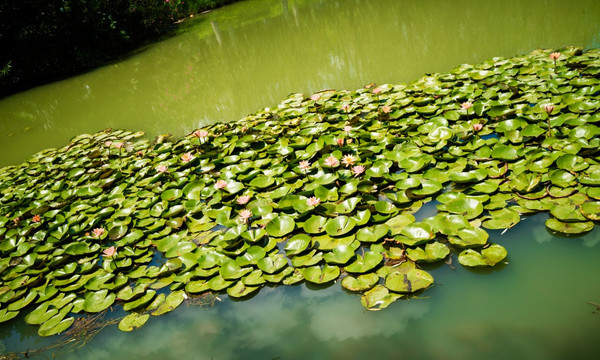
<point x="251" y="55"/>
<point x="239" y="59"/>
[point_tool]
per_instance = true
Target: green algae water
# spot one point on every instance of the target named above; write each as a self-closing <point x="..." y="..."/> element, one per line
<point x="535" y="306"/>
<point x="237" y="60"/>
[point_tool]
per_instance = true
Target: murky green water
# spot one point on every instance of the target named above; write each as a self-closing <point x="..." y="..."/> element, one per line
<point x="238" y="59"/>
<point x="253" y="54"/>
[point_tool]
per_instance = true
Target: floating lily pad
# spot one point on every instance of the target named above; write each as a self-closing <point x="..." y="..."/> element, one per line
<point x="489" y="256"/>
<point x="133" y="321"/>
<point x="407" y="279"/>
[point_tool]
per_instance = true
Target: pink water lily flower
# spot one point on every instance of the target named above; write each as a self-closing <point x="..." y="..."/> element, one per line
<point x="331" y="161"/>
<point x="221" y="184"/>
<point x="555" y="55"/>
<point x="161" y="168"/>
<point x="187" y="157"/>
<point x="549" y="109"/>
<point x="477" y="127"/>
<point x="346" y="107"/>
<point x="243" y="199"/>
<point x="304" y="165"/>
<point x="357" y="170"/>
<point x="201" y="134"/>
<point x="348" y="160"/>
<point x="386" y="109"/>
<point x="245" y="215"/>
<point x="466" y="105"/>
<point x="118" y="145"/>
<point x="377" y="90"/>
<point x="97" y="232"/>
<point x="313" y="201"/>
<point x="347" y="128"/>
<point x="36" y="219"/>
<point x="340" y="141"/>
<point x="315" y="97"/>
<point x="111" y="251"/>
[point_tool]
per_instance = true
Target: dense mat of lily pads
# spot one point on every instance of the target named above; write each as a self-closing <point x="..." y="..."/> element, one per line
<point x="316" y="189"/>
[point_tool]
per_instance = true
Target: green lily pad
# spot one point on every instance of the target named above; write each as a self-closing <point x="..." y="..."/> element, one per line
<point x="408" y="279"/>
<point x="240" y="290"/>
<point x="272" y="264"/>
<point x="360" y="283"/>
<point x="133" y="321"/>
<point x="320" y="275"/>
<point x="432" y="252"/>
<point x="98" y="301"/>
<point x="378" y="298"/>
<point x="297" y="244"/>
<point x="280" y="226"/>
<point x="469" y="237"/>
<point x="489" y="256"/>
<point x="569" y="227"/>
<point x="339" y="226"/>
<point x="172" y="301"/>
<point x="365" y="264"/>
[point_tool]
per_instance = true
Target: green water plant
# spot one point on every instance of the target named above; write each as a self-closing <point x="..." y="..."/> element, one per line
<point x="360" y="186"/>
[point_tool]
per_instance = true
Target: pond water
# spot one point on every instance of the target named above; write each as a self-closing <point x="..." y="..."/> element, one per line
<point x="233" y="61"/>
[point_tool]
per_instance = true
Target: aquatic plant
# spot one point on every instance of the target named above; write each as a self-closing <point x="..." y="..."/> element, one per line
<point x="264" y="200"/>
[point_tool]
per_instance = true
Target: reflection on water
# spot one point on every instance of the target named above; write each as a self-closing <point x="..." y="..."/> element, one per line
<point x="237" y="60"/>
<point x="536" y="307"/>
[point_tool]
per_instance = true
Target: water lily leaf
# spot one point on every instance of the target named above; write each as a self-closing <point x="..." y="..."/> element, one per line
<point x="569" y="227"/>
<point x="504" y="152"/>
<point x="197" y="286"/>
<point x="280" y="226"/>
<point x="88" y="191"/>
<point x="340" y="225"/>
<point x="97" y="301"/>
<point x="365" y="264"/>
<point x="172" y="301"/>
<point x="55" y="325"/>
<point x="468" y="207"/>
<point x="488" y="257"/>
<point x="340" y="255"/>
<point x="140" y="302"/>
<point x="468" y="176"/>
<point x="469" y="237"/>
<point x="320" y="275"/>
<point x="360" y="283"/>
<point x="407" y="279"/>
<point x="591" y="210"/>
<point x="447" y="224"/>
<point x="562" y="178"/>
<point x="432" y="252"/>
<point x="315" y="224"/>
<point x="133" y="321"/>
<point x="297" y="244"/>
<point x="372" y="234"/>
<point x="571" y="162"/>
<point x="362" y="217"/>
<point x="116" y="232"/>
<point x="240" y="290"/>
<point x="347" y="206"/>
<point x="309" y="259"/>
<point x="171" y="194"/>
<point x="40" y="314"/>
<point x="254" y="278"/>
<point x="262" y="182"/>
<point x="378" y="298"/>
<point x="567" y="213"/>
<point x="397" y="223"/>
<point x="278" y="277"/>
<point x="384" y="207"/>
<point x="428" y="187"/>
<point x="325" y="194"/>
<point x="502" y="219"/>
<point x="417" y="233"/>
<point x="231" y="270"/>
<point x="272" y="264"/>
<point x="254" y="235"/>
